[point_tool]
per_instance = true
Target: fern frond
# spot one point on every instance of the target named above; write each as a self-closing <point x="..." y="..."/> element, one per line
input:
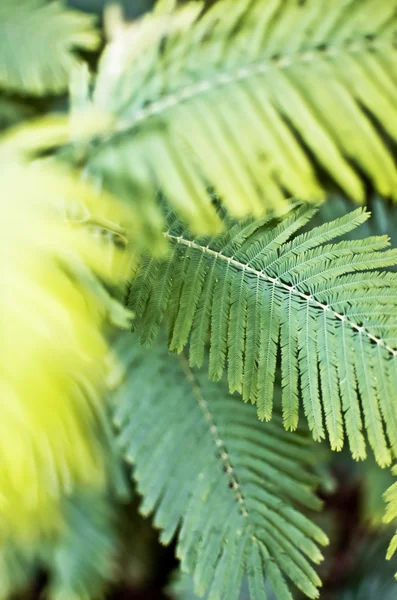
<point x="243" y="95"/>
<point x="259" y="291"/>
<point x="37" y="44"/>
<point x="56" y="310"/>
<point x="234" y="486"/>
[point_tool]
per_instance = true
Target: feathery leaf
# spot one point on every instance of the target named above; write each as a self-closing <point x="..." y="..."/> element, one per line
<point x="260" y="291"/>
<point x="251" y="98"/>
<point x="232" y="487"/>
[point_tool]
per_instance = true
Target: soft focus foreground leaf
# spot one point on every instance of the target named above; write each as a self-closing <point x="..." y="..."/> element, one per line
<point x="37" y="44"/>
<point x="258" y="99"/>
<point x="55" y="314"/>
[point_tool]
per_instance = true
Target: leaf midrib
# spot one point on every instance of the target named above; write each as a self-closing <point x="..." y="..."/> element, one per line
<point x="213" y="430"/>
<point x="310" y="299"/>
<point x="243" y="72"/>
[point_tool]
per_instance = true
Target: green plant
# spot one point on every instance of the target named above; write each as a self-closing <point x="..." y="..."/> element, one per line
<point x="175" y="197"/>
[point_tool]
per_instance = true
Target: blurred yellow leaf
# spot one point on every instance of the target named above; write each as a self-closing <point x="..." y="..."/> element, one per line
<point x="55" y="316"/>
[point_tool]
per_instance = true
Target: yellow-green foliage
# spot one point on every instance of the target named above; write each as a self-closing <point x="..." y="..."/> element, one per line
<point x="258" y="98"/>
<point x="55" y="313"/>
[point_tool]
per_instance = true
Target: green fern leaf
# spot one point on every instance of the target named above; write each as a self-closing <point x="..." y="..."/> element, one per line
<point x="231" y="486"/>
<point x="243" y="95"/>
<point x="37" y="41"/>
<point x="260" y="291"/>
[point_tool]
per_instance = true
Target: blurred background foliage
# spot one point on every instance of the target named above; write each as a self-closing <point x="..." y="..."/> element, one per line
<point x="123" y="546"/>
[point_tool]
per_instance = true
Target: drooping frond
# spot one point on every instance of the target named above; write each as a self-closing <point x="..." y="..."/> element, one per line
<point x="242" y="96"/>
<point x="231" y="487"/>
<point x="37" y="44"/>
<point x="56" y="311"/>
<point x="260" y="291"/>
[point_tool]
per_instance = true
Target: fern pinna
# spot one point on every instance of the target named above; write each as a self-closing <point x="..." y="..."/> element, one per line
<point x="262" y="289"/>
<point x="231" y="487"/>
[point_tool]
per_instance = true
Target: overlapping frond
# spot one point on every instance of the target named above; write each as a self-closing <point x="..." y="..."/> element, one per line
<point x="56" y="310"/>
<point x="260" y="291"/>
<point x="232" y="487"/>
<point x="37" y="44"/>
<point x="251" y="98"/>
